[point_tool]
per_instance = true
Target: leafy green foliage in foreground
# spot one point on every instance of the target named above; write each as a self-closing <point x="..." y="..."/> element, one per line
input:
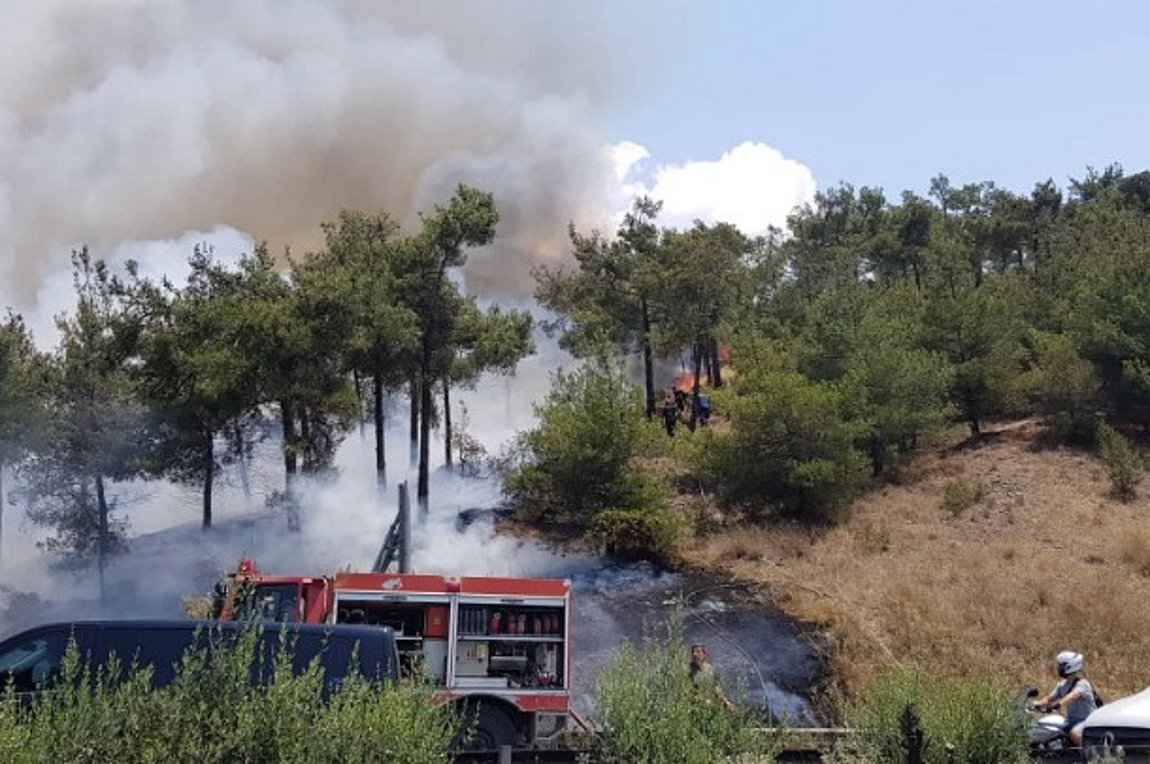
<point x="210" y="714"/>
<point x="908" y="716"/>
<point x="653" y="713"/>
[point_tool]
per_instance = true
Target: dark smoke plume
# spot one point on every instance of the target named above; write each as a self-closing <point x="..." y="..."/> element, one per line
<point x="124" y="123"/>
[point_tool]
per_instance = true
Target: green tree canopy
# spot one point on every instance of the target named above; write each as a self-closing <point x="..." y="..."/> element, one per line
<point x="23" y="396"/>
<point x="577" y="462"/>
<point x="791" y="447"/>
<point x="604" y="306"/>
<point x="93" y="423"/>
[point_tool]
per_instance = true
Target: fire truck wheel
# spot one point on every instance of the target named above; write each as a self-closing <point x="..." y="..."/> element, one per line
<point x="491" y="727"/>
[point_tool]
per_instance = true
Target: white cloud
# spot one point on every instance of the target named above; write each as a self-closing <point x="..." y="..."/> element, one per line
<point x="625" y="156"/>
<point x="752" y="186"/>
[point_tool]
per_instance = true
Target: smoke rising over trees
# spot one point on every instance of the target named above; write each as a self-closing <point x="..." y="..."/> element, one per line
<point x="164" y="119"/>
<point x="871" y="326"/>
<point x="159" y="380"/>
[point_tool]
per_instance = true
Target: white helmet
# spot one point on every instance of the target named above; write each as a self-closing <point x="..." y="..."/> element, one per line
<point x="1068" y="662"/>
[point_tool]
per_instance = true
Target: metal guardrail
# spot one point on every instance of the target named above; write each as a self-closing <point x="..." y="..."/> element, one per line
<point x="797" y="744"/>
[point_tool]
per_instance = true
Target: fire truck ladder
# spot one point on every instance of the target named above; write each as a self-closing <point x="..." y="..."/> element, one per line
<point x="397" y="544"/>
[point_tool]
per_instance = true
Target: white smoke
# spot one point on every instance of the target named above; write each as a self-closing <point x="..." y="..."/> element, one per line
<point x="144" y="127"/>
<point x="146" y="121"/>
<point x="344" y="518"/>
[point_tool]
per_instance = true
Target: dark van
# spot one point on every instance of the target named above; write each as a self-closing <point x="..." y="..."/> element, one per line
<point x="32" y="658"/>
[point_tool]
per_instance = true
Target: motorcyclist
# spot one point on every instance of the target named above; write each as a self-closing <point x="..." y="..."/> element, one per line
<point x="1073" y="696"/>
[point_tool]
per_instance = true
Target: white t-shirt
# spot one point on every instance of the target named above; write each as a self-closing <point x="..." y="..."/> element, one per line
<point x="1080" y="707"/>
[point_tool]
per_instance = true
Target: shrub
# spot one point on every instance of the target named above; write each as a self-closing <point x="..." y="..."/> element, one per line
<point x="873" y="538"/>
<point x="211" y="714"/>
<point x="944" y="720"/>
<point x="960" y="495"/>
<point x="1062" y="386"/>
<point x="1135" y="551"/>
<point x="653" y="534"/>
<point x="789" y="448"/>
<point x="578" y="460"/>
<point x="651" y="712"/>
<point x="1123" y="463"/>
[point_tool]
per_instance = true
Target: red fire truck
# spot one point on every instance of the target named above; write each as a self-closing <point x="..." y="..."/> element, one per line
<point x="500" y="647"/>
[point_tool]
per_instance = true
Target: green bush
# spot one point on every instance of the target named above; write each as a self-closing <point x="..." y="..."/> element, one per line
<point x="211" y="714"/>
<point x="960" y="495"/>
<point x="653" y="534"/>
<point x="652" y="713"/>
<point x="1123" y="463"/>
<point x="789" y="448"/>
<point x="943" y="720"/>
<point x="577" y="462"/>
<point x="1062" y="386"/>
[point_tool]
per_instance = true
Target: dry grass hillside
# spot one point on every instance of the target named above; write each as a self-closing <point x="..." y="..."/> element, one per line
<point x="1030" y="556"/>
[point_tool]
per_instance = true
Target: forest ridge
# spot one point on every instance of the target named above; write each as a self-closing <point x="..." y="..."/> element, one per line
<point x="865" y="328"/>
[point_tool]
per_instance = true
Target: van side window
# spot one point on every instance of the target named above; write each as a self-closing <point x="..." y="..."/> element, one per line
<point x="30" y="664"/>
<point x="161" y="648"/>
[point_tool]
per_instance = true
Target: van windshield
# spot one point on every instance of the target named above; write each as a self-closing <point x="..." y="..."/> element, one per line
<point x="33" y="662"/>
<point x="270" y="602"/>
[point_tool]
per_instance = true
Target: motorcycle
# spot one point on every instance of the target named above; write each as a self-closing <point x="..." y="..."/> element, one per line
<point x="1047" y="729"/>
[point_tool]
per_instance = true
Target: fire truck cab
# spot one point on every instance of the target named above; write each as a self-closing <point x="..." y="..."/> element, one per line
<point x="499" y="647"/>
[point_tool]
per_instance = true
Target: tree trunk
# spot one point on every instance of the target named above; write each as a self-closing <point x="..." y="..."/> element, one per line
<point x="209" y="469"/>
<point x="648" y="365"/>
<point x="975" y="429"/>
<point x="877" y="456"/>
<point x="716" y="365"/>
<point x="377" y="408"/>
<point x="290" y="445"/>
<point x="308" y="460"/>
<point x="242" y="465"/>
<point x="708" y="365"/>
<point x="971" y="410"/>
<point x="414" y="452"/>
<point x="447" y="422"/>
<point x="102" y="541"/>
<point x="424" y="437"/>
<point x="291" y="461"/>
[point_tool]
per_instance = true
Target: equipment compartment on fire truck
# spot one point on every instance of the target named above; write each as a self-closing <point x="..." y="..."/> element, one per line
<point x="509" y="645"/>
<point x="469" y="634"/>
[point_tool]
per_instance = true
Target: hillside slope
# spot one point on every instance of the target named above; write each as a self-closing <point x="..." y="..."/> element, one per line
<point x="1044" y="560"/>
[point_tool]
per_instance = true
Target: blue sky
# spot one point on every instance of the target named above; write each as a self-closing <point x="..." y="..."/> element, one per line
<point x="891" y="93"/>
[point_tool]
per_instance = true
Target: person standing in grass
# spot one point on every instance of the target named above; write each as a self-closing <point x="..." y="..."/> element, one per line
<point x="704" y="677"/>
<point x="704" y="409"/>
<point x="670" y="412"/>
